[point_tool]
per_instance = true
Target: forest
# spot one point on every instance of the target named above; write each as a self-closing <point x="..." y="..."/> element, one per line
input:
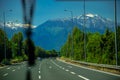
<point x="14" y="50"/>
<point x="92" y="47"/>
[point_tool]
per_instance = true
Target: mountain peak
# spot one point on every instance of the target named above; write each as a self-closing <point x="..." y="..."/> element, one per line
<point x="90" y="15"/>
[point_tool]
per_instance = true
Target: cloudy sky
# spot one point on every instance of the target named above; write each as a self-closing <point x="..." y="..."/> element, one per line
<point x="52" y="9"/>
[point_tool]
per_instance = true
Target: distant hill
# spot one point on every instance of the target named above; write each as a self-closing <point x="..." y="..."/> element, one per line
<point x="52" y="34"/>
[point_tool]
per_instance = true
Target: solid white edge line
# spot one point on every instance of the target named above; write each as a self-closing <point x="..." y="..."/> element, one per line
<point x="5" y="74"/>
<point x="91" y="69"/>
<point x="83" y="77"/>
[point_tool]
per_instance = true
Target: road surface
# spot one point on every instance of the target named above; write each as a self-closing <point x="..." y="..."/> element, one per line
<point x="52" y="69"/>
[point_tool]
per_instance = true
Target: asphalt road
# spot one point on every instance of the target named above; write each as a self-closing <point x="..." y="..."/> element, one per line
<point x="52" y="69"/>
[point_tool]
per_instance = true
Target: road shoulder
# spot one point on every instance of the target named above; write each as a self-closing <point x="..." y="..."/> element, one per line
<point x="89" y="68"/>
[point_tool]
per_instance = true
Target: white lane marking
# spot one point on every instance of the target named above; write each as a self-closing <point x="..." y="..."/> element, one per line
<point x="8" y="68"/>
<point x="39" y="71"/>
<point x="39" y="77"/>
<point x="56" y="64"/>
<point x="13" y="70"/>
<point x="69" y="66"/>
<point x="63" y="68"/>
<point x="60" y="67"/>
<point x="29" y="67"/>
<point x="66" y="70"/>
<point x="91" y="69"/>
<point x="83" y="77"/>
<point x="5" y="74"/>
<point x="72" y="72"/>
<point x="18" y="67"/>
<point x="50" y="67"/>
<point x="40" y="65"/>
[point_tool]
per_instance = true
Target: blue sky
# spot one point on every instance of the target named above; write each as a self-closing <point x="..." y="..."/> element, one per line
<point x="51" y="9"/>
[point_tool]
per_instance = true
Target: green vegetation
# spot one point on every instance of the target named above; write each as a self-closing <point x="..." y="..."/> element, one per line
<point x="39" y="52"/>
<point x="100" y="48"/>
<point x="16" y="49"/>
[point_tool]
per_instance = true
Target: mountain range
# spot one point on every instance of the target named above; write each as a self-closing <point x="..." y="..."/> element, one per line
<point x="52" y="34"/>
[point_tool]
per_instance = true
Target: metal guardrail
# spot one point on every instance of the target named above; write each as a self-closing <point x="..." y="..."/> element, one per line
<point x="98" y="65"/>
<point x="104" y="67"/>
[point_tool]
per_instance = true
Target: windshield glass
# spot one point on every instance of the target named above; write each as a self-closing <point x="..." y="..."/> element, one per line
<point x="59" y="40"/>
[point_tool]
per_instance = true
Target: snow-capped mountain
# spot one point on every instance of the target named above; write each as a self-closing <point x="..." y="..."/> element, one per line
<point x="53" y="33"/>
<point x="11" y="28"/>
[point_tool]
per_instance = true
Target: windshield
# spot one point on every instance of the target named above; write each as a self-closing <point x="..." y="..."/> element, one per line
<point x="59" y="40"/>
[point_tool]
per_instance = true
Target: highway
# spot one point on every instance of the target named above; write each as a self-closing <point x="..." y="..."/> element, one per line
<point x="52" y="69"/>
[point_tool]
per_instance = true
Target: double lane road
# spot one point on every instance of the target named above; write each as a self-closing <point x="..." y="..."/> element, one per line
<point x="52" y="69"/>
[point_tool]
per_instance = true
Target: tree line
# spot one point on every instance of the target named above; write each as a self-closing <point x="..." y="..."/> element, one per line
<point x="15" y="49"/>
<point x="97" y="48"/>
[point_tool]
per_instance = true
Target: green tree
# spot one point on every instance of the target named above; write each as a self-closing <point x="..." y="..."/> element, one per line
<point x="77" y="43"/>
<point x="5" y="44"/>
<point x="94" y="48"/>
<point x="2" y="35"/>
<point x="17" y="44"/>
<point x="108" y="48"/>
<point x="118" y="42"/>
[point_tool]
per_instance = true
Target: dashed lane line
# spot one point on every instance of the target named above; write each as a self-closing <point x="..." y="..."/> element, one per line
<point x="69" y="66"/>
<point x="90" y="69"/>
<point x="8" y="68"/>
<point x="39" y="77"/>
<point x="60" y="67"/>
<point x="39" y="71"/>
<point x="72" y="72"/>
<point x="66" y="70"/>
<point x="83" y="77"/>
<point x="5" y="74"/>
<point x="13" y="70"/>
<point x="29" y="67"/>
<point x="18" y="67"/>
<point x="50" y="67"/>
